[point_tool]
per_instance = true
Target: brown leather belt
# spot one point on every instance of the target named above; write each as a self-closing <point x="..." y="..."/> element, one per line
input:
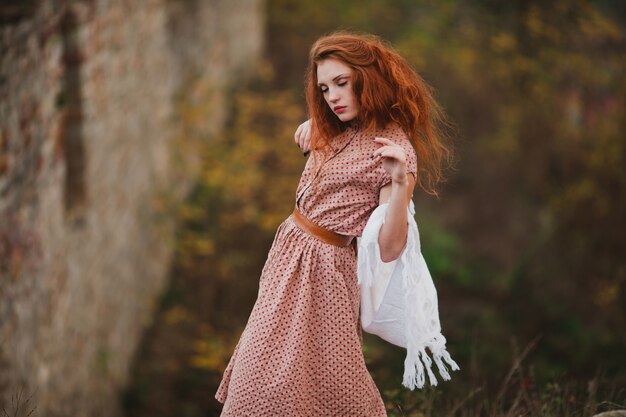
<point x="319" y="232"/>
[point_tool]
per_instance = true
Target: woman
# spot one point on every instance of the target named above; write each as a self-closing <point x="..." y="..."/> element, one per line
<point x="372" y="119"/>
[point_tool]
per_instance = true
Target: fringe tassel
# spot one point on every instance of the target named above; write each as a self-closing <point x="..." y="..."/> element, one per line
<point x="416" y="362"/>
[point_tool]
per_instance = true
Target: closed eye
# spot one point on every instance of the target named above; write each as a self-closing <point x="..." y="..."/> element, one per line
<point x="341" y="83"/>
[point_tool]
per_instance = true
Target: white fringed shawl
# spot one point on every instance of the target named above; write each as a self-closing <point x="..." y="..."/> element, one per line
<point x="399" y="301"/>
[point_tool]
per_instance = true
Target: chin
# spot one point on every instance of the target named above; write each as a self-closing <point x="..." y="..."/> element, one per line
<point x="346" y="117"/>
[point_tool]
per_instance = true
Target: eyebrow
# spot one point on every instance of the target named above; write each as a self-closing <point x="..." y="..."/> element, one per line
<point x="338" y="76"/>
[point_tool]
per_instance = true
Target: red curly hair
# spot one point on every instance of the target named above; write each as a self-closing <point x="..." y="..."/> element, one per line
<point x="388" y="90"/>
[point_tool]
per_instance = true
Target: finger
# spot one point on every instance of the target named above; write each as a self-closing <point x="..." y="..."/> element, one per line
<point x="389" y="152"/>
<point x="384" y="141"/>
<point x="307" y="137"/>
<point x="296" y="136"/>
<point x="301" y="137"/>
<point x="300" y="141"/>
<point x="385" y="148"/>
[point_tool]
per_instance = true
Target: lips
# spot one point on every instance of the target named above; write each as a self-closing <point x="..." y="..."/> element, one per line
<point x="339" y="109"/>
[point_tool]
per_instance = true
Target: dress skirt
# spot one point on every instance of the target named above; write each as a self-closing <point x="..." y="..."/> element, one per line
<point x="300" y="354"/>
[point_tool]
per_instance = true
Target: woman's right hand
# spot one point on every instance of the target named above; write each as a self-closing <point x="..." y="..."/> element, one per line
<point x="303" y="136"/>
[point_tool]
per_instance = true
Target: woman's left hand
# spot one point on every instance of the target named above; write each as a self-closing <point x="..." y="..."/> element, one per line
<point x="302" y="137"/>
<point x="394" y="159"/>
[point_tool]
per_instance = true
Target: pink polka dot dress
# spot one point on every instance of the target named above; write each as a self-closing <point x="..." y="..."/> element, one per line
<point x="300" y="354"/>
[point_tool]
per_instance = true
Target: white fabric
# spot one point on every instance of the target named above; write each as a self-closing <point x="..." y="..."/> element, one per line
<point x="399" y="301"/>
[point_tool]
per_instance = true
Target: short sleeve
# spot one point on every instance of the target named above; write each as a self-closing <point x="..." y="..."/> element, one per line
<point x="411" y="159"/>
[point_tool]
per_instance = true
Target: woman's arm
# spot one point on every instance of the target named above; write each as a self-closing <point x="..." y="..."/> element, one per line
<point x="393" y="233"/>
<point x="302" y="137"/>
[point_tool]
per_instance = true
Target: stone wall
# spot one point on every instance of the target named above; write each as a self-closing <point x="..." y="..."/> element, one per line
<point x="95" y="153"/>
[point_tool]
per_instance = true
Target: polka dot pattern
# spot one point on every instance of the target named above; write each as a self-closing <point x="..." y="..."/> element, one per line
<point x="342" y="193"/>
<point x="300" y="354"/>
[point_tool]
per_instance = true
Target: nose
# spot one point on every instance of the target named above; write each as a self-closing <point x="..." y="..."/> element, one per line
<point x="332" y="95"/>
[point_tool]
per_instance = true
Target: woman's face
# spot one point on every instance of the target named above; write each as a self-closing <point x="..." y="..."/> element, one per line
<point x="334" y="78"/>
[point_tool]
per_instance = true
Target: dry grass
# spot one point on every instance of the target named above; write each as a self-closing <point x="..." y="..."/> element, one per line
<point x="517" y="395"/>
<point x="20" y="406"/>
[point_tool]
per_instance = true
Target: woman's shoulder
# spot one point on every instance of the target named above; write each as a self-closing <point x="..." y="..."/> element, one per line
<point x="394" y="132"/>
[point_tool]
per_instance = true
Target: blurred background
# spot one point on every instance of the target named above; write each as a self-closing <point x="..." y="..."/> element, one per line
<point x="147" y="157"/>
